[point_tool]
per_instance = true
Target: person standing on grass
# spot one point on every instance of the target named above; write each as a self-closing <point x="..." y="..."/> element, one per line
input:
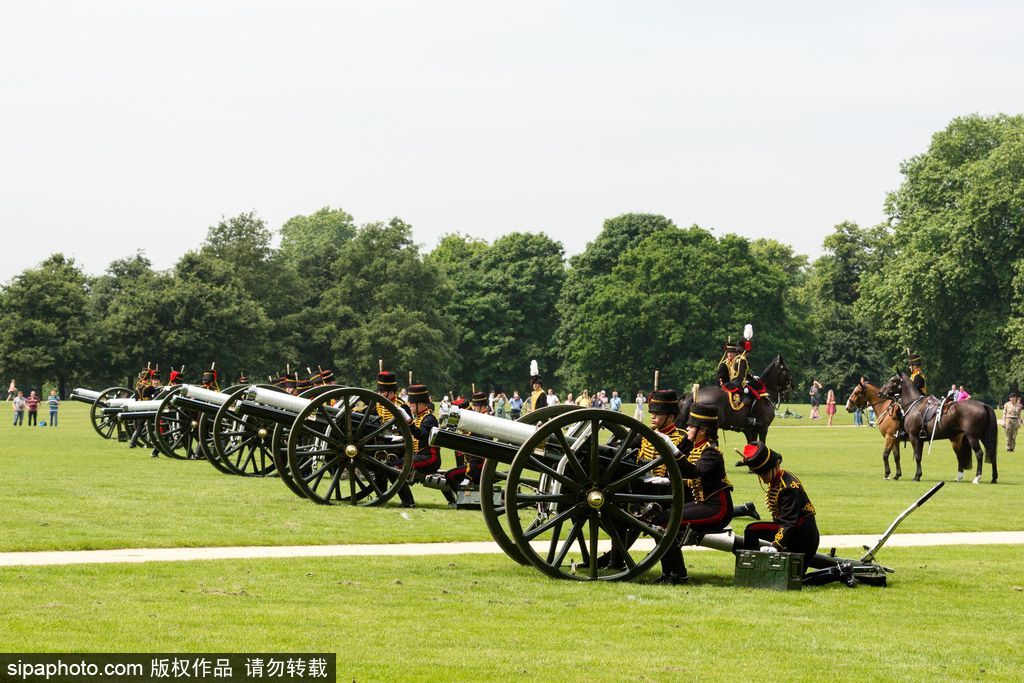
<point x="19" y="409"/>
<point x="830" y="406"/>
<point x="616" y="403"/>
<point x="54" y="401"/>
<point x="815" y="394"/>
<point x="32" y="403"/>
<point x="638" y="412"/>
<point x="12" y="391"/>
<point x="1011" y="422"/>
<point x="515" y="406"/>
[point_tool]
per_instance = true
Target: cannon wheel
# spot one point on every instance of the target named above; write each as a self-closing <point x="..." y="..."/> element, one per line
<point x="279" y="443"/>
<point x="596" y="496"/>
<point x="493" y="477"/>
<point x="105" y="425"/>
<point x="241" y="444"/>
<point x="207" y="442"/>
<point x="175" y="430"/>
<point x="327" y="441"/>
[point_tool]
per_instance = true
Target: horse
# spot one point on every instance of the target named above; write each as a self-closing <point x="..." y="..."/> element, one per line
<point x="973" y="421"/>
<point x="866" y="394"/>
<point x="752" y="419"/>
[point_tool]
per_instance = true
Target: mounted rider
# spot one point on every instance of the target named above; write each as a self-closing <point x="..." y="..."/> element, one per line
<point x="733" y="372"/>
<point x="916" y="376"/>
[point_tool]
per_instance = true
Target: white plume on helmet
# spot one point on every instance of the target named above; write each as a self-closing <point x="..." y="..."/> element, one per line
<point x="534" y="368"/>
<point x="748" y="331"/>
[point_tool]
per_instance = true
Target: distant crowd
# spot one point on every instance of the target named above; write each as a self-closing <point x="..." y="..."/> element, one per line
<point x="30" y="404"/>
<point x="514" y="407"/>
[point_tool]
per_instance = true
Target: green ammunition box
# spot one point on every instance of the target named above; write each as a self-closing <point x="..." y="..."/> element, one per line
<point x="778" y="571"/>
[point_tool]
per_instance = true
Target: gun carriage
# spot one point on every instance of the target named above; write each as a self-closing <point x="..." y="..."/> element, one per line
<point x="105" y="425"/>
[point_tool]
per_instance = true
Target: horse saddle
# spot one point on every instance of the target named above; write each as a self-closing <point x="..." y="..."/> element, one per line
<point x="755" y="388"/>
<point x="932" y="407"/>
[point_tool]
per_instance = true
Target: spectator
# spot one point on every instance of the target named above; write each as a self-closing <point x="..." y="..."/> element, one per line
<point x="596" y="402"/>
<point x="815" y="394"/>
<point x="584" y="399"/>
<point x="501" y="404"/>
<point x="1011" y="421"/>
<point x="569" y="399"/>
<point x="446" y="406"/>
<point x="32" y="403"/>
<point x="54" y="402"/>
<point x="552" y="398"/>
<point x="12" y="391"/>
<point x="515" y="406"/>
<point x="830" y="406"/>
<point x="490" y="400"/>
<point x="19" y="408"/>
<point x="962" y="395"/>
<point x="638" y="412"/>
<point x="951" y="394"/>
<point x="616" y="403"/>
<point x="604" y="399"/>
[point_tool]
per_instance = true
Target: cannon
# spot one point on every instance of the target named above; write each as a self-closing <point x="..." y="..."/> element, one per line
<point x="105" y="425"/>
<point x="329" y="444"/>
<point x="570" y="485"/>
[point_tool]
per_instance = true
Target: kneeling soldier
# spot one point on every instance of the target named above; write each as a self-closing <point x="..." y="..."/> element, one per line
<point x="793" y="528"/>
<point x="469" y="466"/>
<point x="426" y="458"/>
<point x="709" y="496"/>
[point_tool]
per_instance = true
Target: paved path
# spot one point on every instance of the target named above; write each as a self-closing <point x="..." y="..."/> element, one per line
<point x="135" y="555"/>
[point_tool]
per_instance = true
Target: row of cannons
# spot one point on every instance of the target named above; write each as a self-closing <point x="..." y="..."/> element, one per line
<point x="560" y="488"/>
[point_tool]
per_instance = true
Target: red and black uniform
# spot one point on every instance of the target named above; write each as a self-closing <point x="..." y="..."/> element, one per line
<point x="468" y="466"/>
<point x="793" y="528"/>
<point x="708" y="503"/>
<point x="426" y="459"/>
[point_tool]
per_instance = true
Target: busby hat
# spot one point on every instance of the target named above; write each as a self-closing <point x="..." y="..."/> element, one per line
<point x="243" y="378"/>
<point x="303" y="384"/>
<point x="209" y="376"/>
<point x="535" y="376"/>
<point x="914" y="359"/>
<point x="664" y="401"/>
<point x="175" y="378"/>
<point x="418" y="393"/>
<point x="703" y="415"/>
<point x="387" y="381"/>
<point x="479" y="399"/>
<point x="288" y="380"/>
<point x="759" y="458"/>
<point x="327" y="376"/>
<point x="731" y="346"/>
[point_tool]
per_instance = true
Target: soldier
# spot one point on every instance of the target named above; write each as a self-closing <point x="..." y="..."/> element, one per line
<point x="468" y="467"/>
<point x="916" y="376"/>
<point x="538" y="397"/>
<point x="209" y="380"/>
<point x="709" y="501"/>
<point x="733" y="371"/>
<point x="243" y="378"/>
<point x="793" y="528"/>
<point x="147" y="387"/>
<point x="426" y="458"/>
<point x="1011" y="421"/>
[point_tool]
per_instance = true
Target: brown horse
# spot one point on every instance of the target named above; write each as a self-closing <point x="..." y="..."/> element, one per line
<point x="753" y="419"/>
<point x="972" y="420"/>
<point x="887" y="420"/>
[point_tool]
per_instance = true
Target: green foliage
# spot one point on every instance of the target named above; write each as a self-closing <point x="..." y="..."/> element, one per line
<point x="44" y="329"/>
<point x="503" y="305"/>
<point x="671" y="300"/>
<point x="386" y="304"/>
<point x="947" y="286"/>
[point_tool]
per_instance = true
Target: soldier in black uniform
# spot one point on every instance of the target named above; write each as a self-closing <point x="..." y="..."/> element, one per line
<point x="538" y="397"/>
<point x="793" y="528"/>
<point x="916" y="376"/>
<point x="147" y="388"/>
<point x="709" y="492"/>
<point x="426" y="458"/>
<point x="468" y="467"/>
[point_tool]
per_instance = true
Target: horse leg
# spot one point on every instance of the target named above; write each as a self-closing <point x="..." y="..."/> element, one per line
<point x="979" y="456"/>
<point x="885" y="457"/>
<point x="918" y="453"/>
<point x="896" y="457"/>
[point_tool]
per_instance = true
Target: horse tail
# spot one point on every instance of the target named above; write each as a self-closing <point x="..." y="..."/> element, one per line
<point x="991" y="434"/>
<point x="684" y="410"/>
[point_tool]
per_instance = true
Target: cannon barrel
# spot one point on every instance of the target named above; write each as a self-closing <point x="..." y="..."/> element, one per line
<point x="84" y="395"/>
<point x="276" y="399"/>
<point x="134" y="406"/>
<point x="499" y="428"/>
<point x="204" y="395"/>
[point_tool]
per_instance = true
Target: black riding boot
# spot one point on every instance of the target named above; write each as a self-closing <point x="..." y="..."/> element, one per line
<point x="746" y="510"/>
<point x="673" y="569"/>
<point x="405" y="495"/>
<point x="841" y="572"/>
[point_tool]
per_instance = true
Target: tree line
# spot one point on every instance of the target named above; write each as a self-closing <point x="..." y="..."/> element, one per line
<point x="943" y="276"/>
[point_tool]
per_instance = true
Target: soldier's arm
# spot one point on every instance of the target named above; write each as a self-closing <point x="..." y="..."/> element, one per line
<point x="422" y="433"/>
<point x="789" y="516"/>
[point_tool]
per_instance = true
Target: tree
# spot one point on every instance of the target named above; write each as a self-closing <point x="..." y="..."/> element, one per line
<point x="503" y="309"/>
<point x="387" y="304"/>
<point x="585" y="272"/>
<point x="44" y="331"/>
<point x="947" y="284"/>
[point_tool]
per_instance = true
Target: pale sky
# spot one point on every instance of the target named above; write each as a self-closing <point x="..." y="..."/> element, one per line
<point x="132" y="125"/>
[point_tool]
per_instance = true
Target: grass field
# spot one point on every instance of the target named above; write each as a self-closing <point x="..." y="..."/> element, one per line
<point x="66" y="488"/>
<point x="950" y="613"/>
